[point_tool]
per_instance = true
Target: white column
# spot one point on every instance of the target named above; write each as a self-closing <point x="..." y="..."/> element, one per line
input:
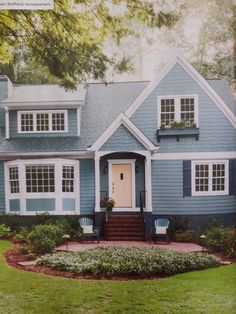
<point x="148" y="182"/>
<point x="97" y="183"/>
<point x="7" y="123"/>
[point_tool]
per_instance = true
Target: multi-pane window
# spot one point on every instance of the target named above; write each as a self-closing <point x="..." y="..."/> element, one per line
<point x="68" y="179"/>
<point x="167" y="111"/>
<point x="187" y="110"/>
<point x="27" y="124"/>
<point x="201" y="178"/>
<point x="42" y="121"/>
<point x="14" y="179"/>
<point x="178" y="109"/>
<point x="58" y="121"/>
<point x="40" y="178"/>
<point x="210" y="177"/>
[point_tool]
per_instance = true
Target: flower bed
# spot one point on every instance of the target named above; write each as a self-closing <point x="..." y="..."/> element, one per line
<point x="118" y="261"/>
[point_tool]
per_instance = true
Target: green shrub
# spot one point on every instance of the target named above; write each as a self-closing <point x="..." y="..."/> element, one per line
<point x="12" y="221"/>
<point x="184" y="236"/>
<point x="221" y="240"/>
<point x="22" y="236"/>
<point x="5" y="231"/>
<point x="118" y="261"/>
<point x="44" y="238"/>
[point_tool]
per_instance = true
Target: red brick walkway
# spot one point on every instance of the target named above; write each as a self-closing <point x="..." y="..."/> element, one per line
<point x="183" y="247"/>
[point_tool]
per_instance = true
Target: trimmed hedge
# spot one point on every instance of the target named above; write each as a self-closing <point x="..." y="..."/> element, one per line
<point x="119" y="261"/>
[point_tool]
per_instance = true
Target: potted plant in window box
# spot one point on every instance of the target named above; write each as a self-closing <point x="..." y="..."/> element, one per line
<point x="176" y="129"/>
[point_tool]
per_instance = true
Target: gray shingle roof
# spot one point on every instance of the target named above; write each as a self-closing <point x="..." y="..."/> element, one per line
<point x="225" y="92"/>
<point x="103" y="103"/>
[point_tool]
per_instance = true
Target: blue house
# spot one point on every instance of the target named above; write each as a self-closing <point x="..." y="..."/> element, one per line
<point x="168" y="145"/>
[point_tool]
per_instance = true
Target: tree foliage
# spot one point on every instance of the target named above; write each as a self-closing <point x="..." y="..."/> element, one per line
<point x="66" y="44"/>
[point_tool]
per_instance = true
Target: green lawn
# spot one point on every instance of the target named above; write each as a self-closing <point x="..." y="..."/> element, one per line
<point x="208" y="291"/>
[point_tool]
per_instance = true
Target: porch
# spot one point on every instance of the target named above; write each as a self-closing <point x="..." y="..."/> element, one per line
<point x="174" y="246"/>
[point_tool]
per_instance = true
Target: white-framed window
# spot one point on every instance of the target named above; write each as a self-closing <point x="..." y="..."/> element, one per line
<point x="210" y="177"/>
<point x="68" y="179"/>
<point x="40" y="178"/>
<point x="181" y="108"/>
<point x="14" y="179"/>
<point x="42" y="121"/>
<point x="56" y="179"/>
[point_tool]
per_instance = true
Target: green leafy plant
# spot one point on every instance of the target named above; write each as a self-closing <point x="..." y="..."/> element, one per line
<point x="179" y="125"/>
<point x="44" y="238"/>
<point x="22" y="236"/>
<point x="219" y="239"/>
<point x="184" y="236"/>
<point x="120" y="261"/>
<point x="5" y="231"/>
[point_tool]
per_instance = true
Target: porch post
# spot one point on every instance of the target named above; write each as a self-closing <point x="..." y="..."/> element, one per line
<point x="148" y="182"/>
<point x="97" y="183"/>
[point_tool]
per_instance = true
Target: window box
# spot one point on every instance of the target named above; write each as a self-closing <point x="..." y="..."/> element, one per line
<point x="162" y="133"/>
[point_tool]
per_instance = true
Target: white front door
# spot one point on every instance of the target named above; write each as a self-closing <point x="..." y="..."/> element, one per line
<point x="122" y="185"/>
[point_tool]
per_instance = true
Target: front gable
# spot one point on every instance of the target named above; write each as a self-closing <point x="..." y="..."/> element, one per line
<point x="122" y="134"/>
<point x="216" y="121"/>
<point x="122" y="139"/>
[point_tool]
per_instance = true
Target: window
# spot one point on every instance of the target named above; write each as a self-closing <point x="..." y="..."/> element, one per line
<point x="14" y="180"/>
<point x="68" y="179"/>
<point x="42" y="121"/>
<point x="40" y="178"/>
<point x="43" y="185"/>
<point x="209" y="177"/>
<point x="179" y="109"/>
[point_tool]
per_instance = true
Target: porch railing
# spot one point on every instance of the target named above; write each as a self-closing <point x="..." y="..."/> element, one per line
<point x="103" y="196"/>
<point x="142" y="202"/>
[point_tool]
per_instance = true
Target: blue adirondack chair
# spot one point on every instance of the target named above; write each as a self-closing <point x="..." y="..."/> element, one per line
<point x="160" y="230"/>
<point x="88" y="230"/>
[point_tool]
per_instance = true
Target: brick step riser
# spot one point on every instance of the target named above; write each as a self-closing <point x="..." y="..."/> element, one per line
<point x="121" y="230"/>
<point x="125" y="238"/>
<point x="126" y="226"/>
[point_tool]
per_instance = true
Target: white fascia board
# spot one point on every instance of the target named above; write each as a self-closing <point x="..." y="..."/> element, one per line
<point x="196" y="77"/>
<point x="41" y="104"/>
<point x="193" y="155"/>
<point x="78" y="154"/>
<point x="122" y="119"/>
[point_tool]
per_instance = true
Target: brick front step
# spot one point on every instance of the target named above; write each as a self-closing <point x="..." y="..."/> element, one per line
<point x="124" y="228"/>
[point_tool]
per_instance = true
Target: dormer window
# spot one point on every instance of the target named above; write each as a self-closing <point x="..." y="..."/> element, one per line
<point x="176" y="109"/>
<point x="42" y="121"/>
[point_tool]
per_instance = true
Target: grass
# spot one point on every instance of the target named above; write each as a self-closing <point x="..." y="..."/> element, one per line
<point x="208" y="291"/>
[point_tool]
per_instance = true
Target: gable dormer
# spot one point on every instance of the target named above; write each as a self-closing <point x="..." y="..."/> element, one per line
<point x="42" y="110"/>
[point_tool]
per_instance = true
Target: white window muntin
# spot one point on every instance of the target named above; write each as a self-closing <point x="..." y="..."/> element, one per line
<point x="57" y="194"/>
<point x="40" y="121"/>
<point x="177" y="107"/>
<point x="210" y="164"/>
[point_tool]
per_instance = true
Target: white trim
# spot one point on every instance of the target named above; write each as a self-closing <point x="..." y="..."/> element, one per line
<point x="79" y="120"/>
<point x="148" y="183"/>
<point x="193" y="155"/>
<point x="122" y="120"/>
<point x="34" y="113"/>
<point x="117" y="162"/>
<point x="97" y="183"/>
<point x="196" y="77"/>
<point x="58" y="195"/>
<point x="39" y="105"/>
<point x="177" y="107"/>
<point x="210" y="163"/>
<point x="78" y="154"/>
<point x="7" y="130"/>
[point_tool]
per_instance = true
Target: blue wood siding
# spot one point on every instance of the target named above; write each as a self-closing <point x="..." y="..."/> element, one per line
<point x="122" y="139"/>
<point x="72" y="126"/>
<point x="2" y="188"/>
<point x="40" y="204"/>
<point x="87" y="186"/>
<point x="167" y="193"/>
<point x="216" y="132"/>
